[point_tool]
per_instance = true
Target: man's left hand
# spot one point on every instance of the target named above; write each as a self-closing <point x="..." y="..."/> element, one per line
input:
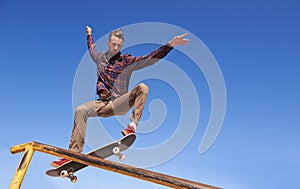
<point x="179" y="40"/>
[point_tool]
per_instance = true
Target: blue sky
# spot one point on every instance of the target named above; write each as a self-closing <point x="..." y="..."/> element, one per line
<point x="256" y="45"/>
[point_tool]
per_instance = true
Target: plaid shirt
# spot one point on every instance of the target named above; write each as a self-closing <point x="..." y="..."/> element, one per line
<point x="114" y="73"/>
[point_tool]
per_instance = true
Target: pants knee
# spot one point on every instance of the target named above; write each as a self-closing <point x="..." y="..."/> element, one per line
<point x="80" y="111"/>
<point x="143" y="88"/>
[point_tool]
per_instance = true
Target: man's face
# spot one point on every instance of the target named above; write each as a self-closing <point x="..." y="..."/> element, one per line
<point x="114" y="45"/>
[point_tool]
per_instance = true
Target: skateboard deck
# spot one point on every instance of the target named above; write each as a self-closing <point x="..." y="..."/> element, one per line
<point x="115" y="148"/>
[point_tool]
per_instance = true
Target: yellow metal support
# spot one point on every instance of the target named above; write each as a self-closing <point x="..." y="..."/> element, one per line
<point x="22" y="168"/>
<point x="139" y="173"/>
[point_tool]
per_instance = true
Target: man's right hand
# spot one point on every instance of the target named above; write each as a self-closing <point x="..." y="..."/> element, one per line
<point x="88" y="30"/>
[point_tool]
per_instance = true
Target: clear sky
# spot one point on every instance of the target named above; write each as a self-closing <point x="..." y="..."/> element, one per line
<point x="255" y="45"/>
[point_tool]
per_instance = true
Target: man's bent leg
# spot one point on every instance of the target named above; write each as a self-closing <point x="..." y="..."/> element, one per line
<point x="136" y="98"/>
<point x="139" y="96"/>
<point x="82" y="113"/>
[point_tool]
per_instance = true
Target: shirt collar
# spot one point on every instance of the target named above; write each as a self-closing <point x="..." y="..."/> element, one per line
<point x="116" y="56"/>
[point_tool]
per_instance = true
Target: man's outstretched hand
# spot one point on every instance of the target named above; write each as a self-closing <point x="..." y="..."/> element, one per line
<point x="179" y="40"/>
<point x="88" y="30"/>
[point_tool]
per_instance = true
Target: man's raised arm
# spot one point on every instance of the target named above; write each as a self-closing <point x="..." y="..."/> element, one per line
<point x="91" y="45"/>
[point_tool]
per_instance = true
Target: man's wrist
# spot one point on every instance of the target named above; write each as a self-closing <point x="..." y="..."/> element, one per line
<point x="170" y="45"/>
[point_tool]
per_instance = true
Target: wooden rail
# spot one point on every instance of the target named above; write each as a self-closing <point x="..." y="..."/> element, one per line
<point x="158" y="178"/>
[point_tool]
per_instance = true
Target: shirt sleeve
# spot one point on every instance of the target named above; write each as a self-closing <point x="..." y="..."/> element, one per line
<point x="96" y="56"/>
<point x="139" y="62"/>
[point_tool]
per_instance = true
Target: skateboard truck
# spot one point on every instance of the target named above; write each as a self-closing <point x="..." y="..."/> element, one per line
<point x="70" y="175"/>
<point x="116" y="150"/>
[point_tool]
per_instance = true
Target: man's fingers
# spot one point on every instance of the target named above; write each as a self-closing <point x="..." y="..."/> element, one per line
<point x="183" y="35"/>
<point x="184" y="41"/>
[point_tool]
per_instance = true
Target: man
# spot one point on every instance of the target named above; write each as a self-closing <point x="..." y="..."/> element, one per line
<point x="114" y="71"/>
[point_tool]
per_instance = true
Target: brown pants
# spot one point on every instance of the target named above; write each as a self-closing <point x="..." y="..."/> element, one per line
<point x="119" y="106"/>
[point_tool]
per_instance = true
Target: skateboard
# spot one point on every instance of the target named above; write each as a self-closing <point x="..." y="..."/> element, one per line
<point x="115" y="148"/>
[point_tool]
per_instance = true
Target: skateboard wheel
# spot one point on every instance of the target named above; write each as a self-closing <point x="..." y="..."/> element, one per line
<point x="64" y="174"/>
<point x="116" y="150"/>
<point x="73" y="179"/>
<point x="122" y="157"/>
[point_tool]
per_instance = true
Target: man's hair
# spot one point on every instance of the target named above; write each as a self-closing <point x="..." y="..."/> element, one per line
<point x="117" y="33"/>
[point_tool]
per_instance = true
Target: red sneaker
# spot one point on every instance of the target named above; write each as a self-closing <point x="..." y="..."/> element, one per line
<point x="130" y="129"/>
<point x="59" y="162"/>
